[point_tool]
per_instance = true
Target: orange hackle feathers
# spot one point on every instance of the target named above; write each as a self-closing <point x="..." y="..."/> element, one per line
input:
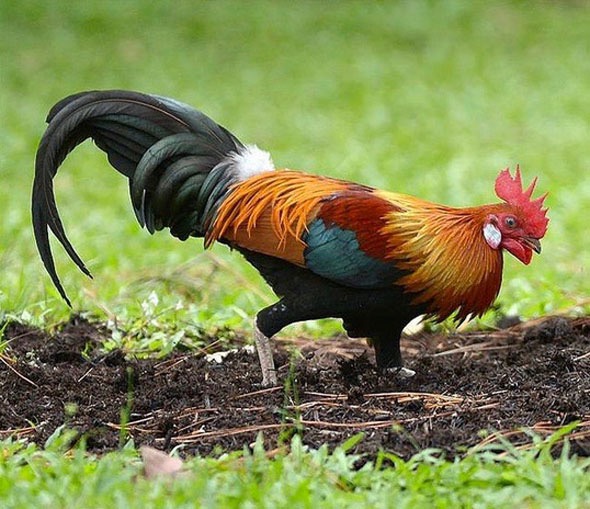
<point x="448" y="267"/>
<point x="279" y="205"/>
<point x="510" y="190"/>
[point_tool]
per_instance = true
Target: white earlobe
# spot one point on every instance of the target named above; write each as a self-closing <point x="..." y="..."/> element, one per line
<point x="492" y="235"/>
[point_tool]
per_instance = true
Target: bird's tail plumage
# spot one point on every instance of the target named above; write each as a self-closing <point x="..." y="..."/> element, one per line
<point x="179" y="162"/>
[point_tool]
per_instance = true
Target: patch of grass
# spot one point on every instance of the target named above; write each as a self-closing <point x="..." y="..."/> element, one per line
<point x="426" y="98"/>
<point x="303" y="478"/>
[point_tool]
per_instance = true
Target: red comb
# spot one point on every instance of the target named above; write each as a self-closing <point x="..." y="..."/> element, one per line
<point x="510" y="190"/>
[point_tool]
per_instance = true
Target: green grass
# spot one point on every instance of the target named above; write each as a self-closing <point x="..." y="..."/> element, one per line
<point x="424" y="97"/>
<point x="304" y="478"/>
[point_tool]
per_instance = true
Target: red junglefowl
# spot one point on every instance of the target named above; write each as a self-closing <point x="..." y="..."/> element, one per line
<point x="327" y="247"/>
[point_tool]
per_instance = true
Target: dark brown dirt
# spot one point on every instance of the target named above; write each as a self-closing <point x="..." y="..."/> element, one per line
<point x="468" y="389"/>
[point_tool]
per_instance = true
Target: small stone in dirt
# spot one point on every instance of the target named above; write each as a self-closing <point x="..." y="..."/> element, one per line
<point x="218" y="357"/>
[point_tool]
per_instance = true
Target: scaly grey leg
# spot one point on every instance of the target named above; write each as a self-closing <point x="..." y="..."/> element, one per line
<point x="267" y="363"/>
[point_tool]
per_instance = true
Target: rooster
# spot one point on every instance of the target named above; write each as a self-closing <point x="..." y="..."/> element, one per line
<point x="327" y="247"/>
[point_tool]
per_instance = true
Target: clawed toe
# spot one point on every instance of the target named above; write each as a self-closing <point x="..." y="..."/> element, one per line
<point x="400" y="372"/>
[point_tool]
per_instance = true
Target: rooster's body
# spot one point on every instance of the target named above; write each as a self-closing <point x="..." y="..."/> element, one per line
<point x="328" y="248"/>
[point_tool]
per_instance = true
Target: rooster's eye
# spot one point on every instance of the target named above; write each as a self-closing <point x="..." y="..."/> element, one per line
<point x="510" y="222"/>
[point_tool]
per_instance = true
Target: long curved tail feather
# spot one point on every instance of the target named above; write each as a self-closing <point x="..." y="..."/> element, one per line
<point x="177" y="160"/>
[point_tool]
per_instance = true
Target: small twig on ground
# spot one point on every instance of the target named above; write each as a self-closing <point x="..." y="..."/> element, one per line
<point x="478" y="347"/>
<point x="583" y="356"/>
<point x="7" y="363"/>
<point x="19" y="432"/>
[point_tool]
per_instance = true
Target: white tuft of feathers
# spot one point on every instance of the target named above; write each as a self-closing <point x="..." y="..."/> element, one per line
<point x="250" y="161"/>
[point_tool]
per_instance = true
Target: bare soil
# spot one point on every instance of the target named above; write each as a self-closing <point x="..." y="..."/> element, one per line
<point x="469" y="389"/>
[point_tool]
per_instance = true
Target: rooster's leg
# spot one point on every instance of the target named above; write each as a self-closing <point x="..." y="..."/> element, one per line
<point x="267" y="363"/>
<point x="388" y="354"/>
<point x="268" y="322"/>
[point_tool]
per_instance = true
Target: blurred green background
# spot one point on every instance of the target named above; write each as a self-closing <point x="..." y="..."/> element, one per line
<point x="422" y="97"/>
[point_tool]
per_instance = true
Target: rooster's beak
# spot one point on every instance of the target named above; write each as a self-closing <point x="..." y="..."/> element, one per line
<point x="533" y="243"/>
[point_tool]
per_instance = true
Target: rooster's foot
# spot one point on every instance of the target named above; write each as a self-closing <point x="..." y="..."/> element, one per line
<point x="400" y="372"/>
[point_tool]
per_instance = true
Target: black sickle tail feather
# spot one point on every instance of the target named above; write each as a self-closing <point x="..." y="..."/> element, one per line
<point x="165" y="148"/>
